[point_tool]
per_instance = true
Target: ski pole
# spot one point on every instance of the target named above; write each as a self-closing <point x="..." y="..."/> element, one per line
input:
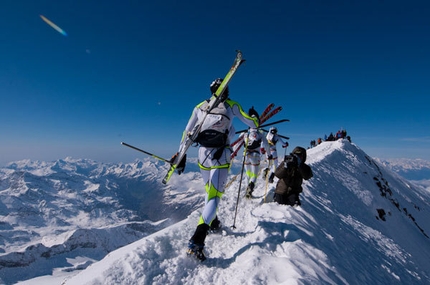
<point x="267" y="179"/>
<point x="240" y="182"/>
<point x="145" y="152"/>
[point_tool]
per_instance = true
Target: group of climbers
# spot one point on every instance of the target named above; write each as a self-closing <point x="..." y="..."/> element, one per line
<point x="257" y="143"/>
<point x="340" y="134"/>
<point x="215" y="155"/>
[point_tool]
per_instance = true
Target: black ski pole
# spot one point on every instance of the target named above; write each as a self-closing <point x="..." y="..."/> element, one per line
<point x="285" y="152"/>
<point x="145" y="152"/>
<point x="265" y="125"/>
<point x="267" y="178"/>
<point x="240" y="182"/>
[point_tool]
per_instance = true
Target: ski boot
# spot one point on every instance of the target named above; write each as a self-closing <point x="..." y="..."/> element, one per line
<point x="215" y="226"/>
<point x="265" y="172"/>
<point x="249" y="190"/>
<point x="272" y="175"/>
<point x="196" y="250"/>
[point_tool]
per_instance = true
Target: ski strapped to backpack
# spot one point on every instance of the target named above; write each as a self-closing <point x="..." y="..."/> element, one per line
<point x="265" y="112"/>
<point x="266" y="115"/>
<point x="265" y="125"/>
<point x="270" y="114"/>
<point x="213" y="102"/>
<point x="241" y="142"/>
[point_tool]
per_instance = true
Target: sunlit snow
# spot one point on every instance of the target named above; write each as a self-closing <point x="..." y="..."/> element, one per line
<point x="359" y="223"/>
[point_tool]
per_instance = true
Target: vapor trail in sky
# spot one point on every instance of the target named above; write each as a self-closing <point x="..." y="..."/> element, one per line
<point x="57" y="28"/>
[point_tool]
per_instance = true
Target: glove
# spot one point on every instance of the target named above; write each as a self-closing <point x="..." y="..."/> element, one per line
<point x="181" y="165"/>
<point x="173" y="157"/>
<point x="269" y="157"/>
<point x="263" y="151"/>
<point x="285" y="145"/>
<point x="254" y="113"/>
<point x="218" y="153"/>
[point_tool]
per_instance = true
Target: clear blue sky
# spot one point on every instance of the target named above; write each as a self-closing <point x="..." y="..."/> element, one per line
<point x="133" y="70"/>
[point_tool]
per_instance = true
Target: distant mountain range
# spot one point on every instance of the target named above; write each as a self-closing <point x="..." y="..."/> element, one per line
<point x="57" y="209"/>
<point x="416" y="170"/>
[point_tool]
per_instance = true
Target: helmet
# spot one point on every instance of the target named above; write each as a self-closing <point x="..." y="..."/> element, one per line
<point x="214" y="87"/>
<point x="273" y="130"/>
<point x="300" y="151"/>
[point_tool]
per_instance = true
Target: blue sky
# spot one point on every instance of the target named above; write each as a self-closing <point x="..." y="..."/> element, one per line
<point x="133" y="70"/>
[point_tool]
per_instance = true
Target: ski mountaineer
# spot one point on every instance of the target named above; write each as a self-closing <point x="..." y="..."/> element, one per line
<point x="272" y="154"/>
<point x="256" y="145"/>
<point x="213" y="158"/>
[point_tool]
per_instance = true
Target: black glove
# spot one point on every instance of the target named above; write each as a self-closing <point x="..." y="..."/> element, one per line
<point x="181" y="165"/>
<point x="254" y="113"/>
<point x="173" y="157"/>
<point x="218" y="153"/>
<point x="269" y="157"/>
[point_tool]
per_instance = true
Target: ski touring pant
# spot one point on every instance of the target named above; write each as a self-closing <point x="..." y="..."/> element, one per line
<point x="274" y="154"/>
<point x="214" y="173"/>
<point x="252" y="165"/>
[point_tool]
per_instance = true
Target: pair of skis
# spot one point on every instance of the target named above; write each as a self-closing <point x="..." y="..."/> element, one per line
<point x="192" y="136"/>
<point x="213" y="102"/>
<point x="268" y="113"/>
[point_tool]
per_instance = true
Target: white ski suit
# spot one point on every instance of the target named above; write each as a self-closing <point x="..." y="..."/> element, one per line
<point x="214" y="151"/>
<point x="272" y="139"/>
<point x="256" y="144"/>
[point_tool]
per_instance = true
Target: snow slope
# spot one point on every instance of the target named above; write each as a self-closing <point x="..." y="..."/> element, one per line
<point x="359" y="223"/>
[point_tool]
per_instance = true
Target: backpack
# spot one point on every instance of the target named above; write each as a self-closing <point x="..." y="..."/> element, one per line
<point x="214" y="132"/>
<point x="254" y="139"/>
<point x="271" y="138"/>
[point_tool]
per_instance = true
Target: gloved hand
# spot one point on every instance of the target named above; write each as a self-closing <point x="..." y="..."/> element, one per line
<point x="253" y="113"/>
<point x="181" y="165"/>
<point x="173" y="157"/>
<point x="285" y="145"/>
<point x="263" y="151"/>
<point x="269" y="157"/>
<point x="218" y="153"/>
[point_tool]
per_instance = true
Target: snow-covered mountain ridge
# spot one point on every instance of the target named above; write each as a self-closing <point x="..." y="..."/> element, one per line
<point x="359" y="224"/>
